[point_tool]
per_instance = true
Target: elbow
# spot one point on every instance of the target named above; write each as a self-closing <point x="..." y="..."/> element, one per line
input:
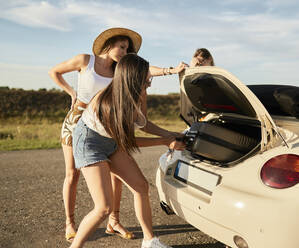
<point x="52" y="73"/>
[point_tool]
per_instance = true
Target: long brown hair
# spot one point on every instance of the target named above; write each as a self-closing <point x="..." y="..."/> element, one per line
<point x="119" y="102"/>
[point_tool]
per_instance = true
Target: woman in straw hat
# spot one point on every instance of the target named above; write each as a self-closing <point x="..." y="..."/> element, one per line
<point x="95" y="73"/>
<point x="104" y="139"/>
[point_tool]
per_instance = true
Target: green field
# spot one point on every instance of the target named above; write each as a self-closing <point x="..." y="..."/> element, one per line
<point x="32" y="119"/>
<point x="20" y="134"/>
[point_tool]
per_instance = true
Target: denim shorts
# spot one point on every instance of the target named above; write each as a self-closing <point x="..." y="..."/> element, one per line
<point x="89" y="147"/>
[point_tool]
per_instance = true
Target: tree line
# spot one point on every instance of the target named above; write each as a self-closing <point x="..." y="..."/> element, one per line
<point x="54" y="104"/>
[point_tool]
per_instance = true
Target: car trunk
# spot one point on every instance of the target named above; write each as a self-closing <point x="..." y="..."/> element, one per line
<point x="227" y="121"/>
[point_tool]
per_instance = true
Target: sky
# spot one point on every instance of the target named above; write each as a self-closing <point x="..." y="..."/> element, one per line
<point x="257" y="41"/>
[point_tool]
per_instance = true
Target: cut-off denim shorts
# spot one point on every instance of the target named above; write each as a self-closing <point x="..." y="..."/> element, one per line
<point x="89" y="147"/>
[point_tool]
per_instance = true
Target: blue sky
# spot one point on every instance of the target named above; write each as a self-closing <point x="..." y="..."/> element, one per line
<point x="257" y="41"/>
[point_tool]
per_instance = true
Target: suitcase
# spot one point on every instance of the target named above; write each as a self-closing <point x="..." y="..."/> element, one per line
<point x="217" y="143"/>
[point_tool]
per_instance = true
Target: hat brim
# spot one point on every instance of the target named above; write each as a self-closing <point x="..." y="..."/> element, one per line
<point x="109" y="33"/>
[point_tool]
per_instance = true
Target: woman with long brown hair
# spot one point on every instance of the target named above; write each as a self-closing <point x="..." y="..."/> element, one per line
<point x="103" y="141"/>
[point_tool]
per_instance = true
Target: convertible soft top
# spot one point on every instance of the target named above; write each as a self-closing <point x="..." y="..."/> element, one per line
<point x="278" y="99"/>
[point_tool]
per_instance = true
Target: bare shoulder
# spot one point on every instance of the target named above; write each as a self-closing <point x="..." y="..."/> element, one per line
<point x="82" y="59"/>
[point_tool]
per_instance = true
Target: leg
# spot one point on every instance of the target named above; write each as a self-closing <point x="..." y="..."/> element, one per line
<point x="124" y="166"/>
<point x="113" y="225"/>
<point x="69" y="191"/>
<point x="98" y="181"/>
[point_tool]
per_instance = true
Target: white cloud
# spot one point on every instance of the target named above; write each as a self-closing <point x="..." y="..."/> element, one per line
<point x="37" y="14"/>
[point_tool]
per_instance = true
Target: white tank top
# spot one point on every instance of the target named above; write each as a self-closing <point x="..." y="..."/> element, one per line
<point x="89" y="117"/>
<point x="89" y="82"/>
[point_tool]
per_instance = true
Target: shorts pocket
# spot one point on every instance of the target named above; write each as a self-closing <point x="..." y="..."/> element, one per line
<point x="79" y="137"/>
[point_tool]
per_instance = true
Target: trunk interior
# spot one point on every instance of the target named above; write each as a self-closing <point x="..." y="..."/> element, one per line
<point x="223" y="141"/>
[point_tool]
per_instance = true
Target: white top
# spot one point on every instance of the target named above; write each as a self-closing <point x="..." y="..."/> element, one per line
<point x="89" y="82"/>
<point x="89" y="117"/>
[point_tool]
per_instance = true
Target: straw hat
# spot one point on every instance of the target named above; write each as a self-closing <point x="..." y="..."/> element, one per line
<point x="107" y="34"/>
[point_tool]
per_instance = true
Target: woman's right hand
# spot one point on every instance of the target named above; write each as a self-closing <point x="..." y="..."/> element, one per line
<point x="74" y="99"/>
<point x="194" y="62"/>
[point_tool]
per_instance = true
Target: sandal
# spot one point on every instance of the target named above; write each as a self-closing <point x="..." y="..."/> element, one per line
<point x="71" y="235"/>
<point x="126" y="235"/>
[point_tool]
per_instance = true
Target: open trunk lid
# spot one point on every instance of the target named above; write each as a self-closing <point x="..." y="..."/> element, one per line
<point x="209" y="89"/>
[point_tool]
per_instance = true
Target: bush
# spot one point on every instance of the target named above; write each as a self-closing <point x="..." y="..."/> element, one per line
<point x="54" y="104"/>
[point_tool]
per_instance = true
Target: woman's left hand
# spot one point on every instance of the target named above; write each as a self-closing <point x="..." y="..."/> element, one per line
<point x="180" y="67"/>
<point x="177" y="145"/>
<point x="174" y="143"/>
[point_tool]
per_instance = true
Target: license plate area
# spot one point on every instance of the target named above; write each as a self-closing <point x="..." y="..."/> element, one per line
<point x="201" y="179"/>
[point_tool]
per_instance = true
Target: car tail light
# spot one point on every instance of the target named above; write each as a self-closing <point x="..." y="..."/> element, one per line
<point x="281" y="171"/>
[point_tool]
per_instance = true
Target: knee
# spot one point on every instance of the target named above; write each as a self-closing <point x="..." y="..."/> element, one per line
<point x="72" y="176"/>
<point x="102" y="212"/>
<point x="142" y="188"/>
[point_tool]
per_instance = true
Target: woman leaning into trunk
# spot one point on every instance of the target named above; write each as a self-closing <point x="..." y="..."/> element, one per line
<point x="103" y="141"/>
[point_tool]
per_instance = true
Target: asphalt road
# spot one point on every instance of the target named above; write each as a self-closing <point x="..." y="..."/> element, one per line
<point x="32" y="213"/>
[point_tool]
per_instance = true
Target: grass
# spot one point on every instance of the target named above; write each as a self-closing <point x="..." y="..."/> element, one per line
<point x="24" y="134"/>
<point x="36" y="134"/>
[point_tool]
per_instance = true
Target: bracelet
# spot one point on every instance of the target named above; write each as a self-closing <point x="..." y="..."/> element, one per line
<point x="168" y="70"/>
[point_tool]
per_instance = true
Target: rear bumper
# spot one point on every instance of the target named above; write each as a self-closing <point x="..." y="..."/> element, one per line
<point x="225" y="235"/>
<point x="222" y="220"/>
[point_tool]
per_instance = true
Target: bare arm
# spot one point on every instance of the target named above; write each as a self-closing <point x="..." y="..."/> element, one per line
<point x="170" y="142"/>
<point x="158" y="71"/>
<point x="146" y="141"/>
<point x="76" y="63"/>
<point x="166" y="138"/>
<point x="156" y="130"/>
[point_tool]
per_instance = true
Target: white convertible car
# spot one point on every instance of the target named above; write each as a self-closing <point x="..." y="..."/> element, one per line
<point x="238" y="179"/>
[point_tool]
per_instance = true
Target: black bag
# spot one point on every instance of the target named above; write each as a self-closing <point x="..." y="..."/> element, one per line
<point x="217" y="143"/>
